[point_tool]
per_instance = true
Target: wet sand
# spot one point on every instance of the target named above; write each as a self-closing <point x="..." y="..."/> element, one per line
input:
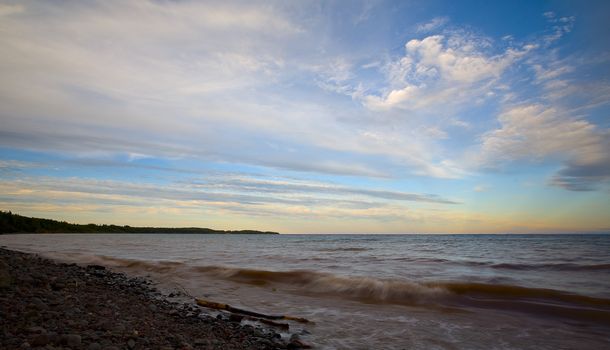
<point x="44" y="304"/>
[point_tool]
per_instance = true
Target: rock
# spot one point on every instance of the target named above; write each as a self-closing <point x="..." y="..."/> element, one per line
<point x="112" y="347"/>
<point x="94" y="346"/>
<point x="36" y="329"/>
<point x="297" y="344"/>
<point x="53" y="338"/>
<point x="96" y="267"/>
<point x="119" y="328"/>
<point x="40" y="340"/>
<point x="5" y="277"/>
<point x="236" y="318"/>
<point x="37" y="304"/>
<point x="152" y="307"/>
<point x="56" y="286"/>
<point x="131" y="343"/>
<point x="73" y="340"/>
<point x="202" y="342"/>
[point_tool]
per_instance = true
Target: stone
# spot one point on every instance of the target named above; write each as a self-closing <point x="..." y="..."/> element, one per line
<point x="73" y="340"/>
<point x="40" y="340"/>
<point x="96" y="267"/>
<point x="201" y="342"/>
<point x="36" y="329"/>
<point x="94" y="346"/>
<point x="131" y="343"/>
<point x="236" y="318"/>
<point x="56" y="286"/>
<point x="297" y="344"/>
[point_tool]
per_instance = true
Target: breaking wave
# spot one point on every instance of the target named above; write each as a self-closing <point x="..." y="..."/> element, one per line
<point x="451" y="294"/>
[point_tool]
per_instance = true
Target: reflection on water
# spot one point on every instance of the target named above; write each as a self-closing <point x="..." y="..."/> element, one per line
<point x="382" y="291"/>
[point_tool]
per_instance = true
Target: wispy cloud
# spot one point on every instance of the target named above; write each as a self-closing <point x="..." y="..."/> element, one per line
<point x="432" y="25"/>
<point x="535" y="133"/>
<point x="359" y="109"/>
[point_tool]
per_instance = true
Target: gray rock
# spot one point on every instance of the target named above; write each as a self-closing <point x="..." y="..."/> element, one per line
<point x="131" y="343"/>
<point x="202" y="342"/>
<point x="37" y="304"/>
<point x="58" y="286"/>
<point x="36" y="329"/>
<point x="152" y="307"/>
<point x="94" y="346"/>
<point x="297" y="344"/>
<point x="40" y="340"/>
<point x="73" y="340"/>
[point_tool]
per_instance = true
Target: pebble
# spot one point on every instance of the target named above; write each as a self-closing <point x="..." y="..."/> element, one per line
<point x="73" y="340"/>
<point x="40" y="340"/>
<point x="37" y="329"/>
<point x="98" y="309"/>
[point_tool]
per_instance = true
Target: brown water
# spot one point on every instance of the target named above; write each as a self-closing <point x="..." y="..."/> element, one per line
<point x="381" y="291"/>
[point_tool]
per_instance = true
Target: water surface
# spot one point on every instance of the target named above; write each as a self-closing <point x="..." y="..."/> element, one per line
<point x="381" y="291"/>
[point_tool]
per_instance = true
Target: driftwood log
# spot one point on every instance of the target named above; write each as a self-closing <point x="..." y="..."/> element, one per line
<point x="227" y="307"/>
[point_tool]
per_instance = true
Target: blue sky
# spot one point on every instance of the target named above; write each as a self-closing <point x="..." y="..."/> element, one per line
<point x="335" y="116"/>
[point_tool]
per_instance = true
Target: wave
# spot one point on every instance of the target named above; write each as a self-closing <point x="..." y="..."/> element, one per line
<point x="541" y="301"/>
<point x="344" y="249"/>
<point x="512" y="266"/>
<point x="556" y="267"/>
<point x="393" y="291"/>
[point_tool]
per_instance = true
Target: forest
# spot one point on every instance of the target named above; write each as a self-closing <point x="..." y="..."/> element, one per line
<point x="13" y="223"/>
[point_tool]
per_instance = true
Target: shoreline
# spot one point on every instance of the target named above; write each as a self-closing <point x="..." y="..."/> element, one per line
<point x="51" y="304"/>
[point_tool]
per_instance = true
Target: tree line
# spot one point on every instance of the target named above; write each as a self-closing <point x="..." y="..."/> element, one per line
<point x="13" y="223"/>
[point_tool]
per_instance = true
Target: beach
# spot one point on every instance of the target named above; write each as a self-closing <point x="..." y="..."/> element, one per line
<point x="44" y="304"/>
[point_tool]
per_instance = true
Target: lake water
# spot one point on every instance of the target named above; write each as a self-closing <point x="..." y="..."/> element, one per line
<point x="380" y="291"/>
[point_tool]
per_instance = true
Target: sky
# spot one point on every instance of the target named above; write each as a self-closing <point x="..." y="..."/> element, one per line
<point x="308" y="116"/>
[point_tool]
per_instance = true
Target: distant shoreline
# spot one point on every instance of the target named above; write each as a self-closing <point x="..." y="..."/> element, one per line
<point x="18" y="224"/>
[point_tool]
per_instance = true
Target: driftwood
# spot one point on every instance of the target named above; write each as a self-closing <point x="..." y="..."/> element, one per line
<point x="284" y="326"/>
<point x="227" y="307"/>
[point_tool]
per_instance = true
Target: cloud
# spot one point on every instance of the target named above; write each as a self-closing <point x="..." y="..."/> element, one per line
<point x="442" y="68"/>
<point x="536" y="133"/>
<point x="214" y="82"/>
<point x="560" y="26"/>
<point x="481" y="188"/>
<point x="10" y="9"/>
<point x="434" y="24"/>
<point x="232" y="193"/>
<point x="308" y="187"/>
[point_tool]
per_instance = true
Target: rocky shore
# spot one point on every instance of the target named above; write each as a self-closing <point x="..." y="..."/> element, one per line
<point x="49" y="305"/>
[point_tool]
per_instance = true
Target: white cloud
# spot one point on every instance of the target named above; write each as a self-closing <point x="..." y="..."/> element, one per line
<point x="434" y="24"/>
<point x="536" y="133"/>
<point x="481" y="188"/>
<point x="561" y="26"/>
<point x="10" y="9"/>
<point x="439" y="68"/>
